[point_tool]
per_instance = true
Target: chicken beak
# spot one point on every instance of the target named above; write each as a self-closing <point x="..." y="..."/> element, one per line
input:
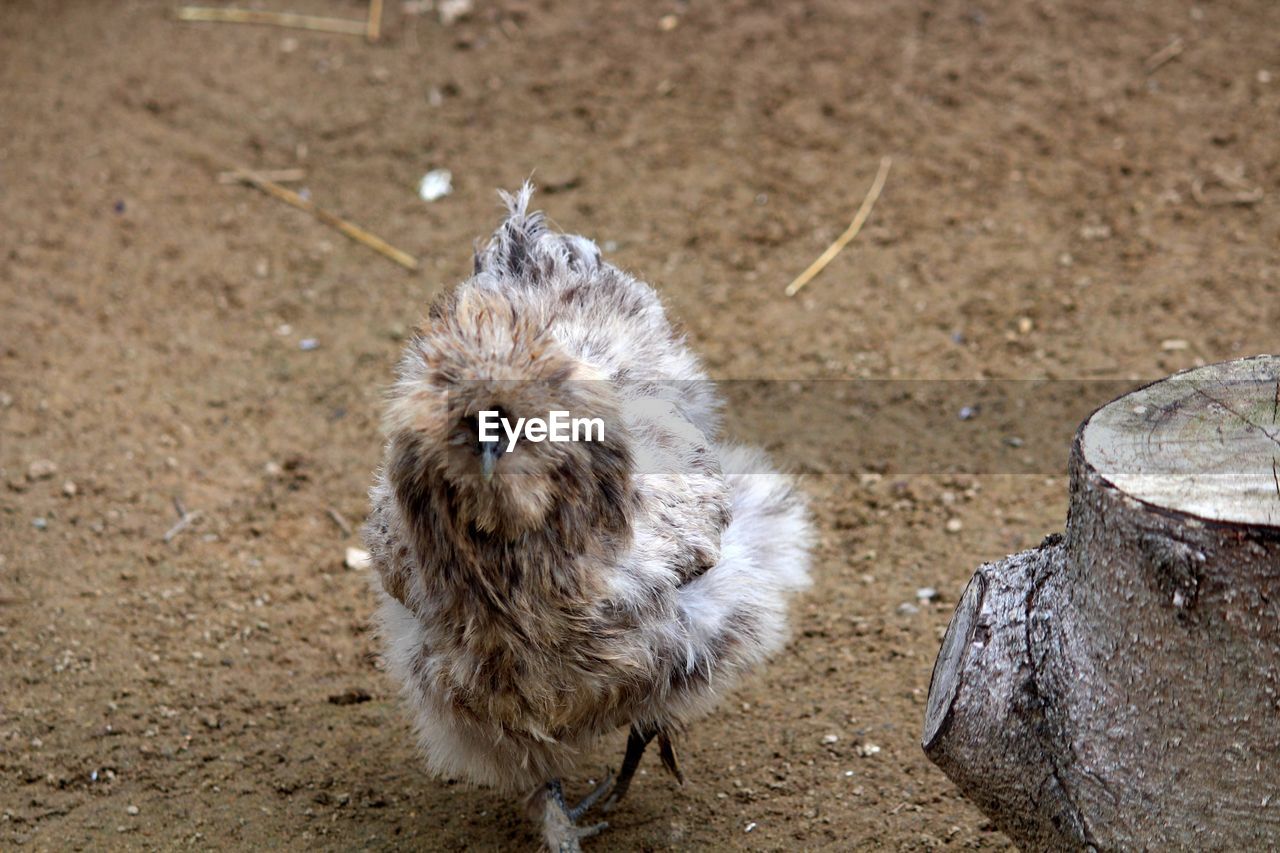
<point x="489" y="454"/>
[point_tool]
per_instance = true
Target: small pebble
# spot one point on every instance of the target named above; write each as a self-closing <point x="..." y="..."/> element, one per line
<point x="132" y="810"/>
<point x="667" y="23"/>
<point x="1264" y="76"/>
<point x="906" y="608"/>
<point x="6" y="400"/>
<point x="435" y="184"/>
<point x="308" y="344"/>
<point x="288" y="45"/>
<point x="1025" y="325"/>
<point x="830" y="739"/>
<point x="926" y="593"/>
<point x="357" y="559"/>
<point x="40" y="523"/>
<point x="453" y="10"/>
<point x="1174" y="344"/>
<point x="751" y="826"/>
<point x="968" y="413"/>
<point x="70" y="489"/>
<point x="41" y="469"/>
<point x="954" y="525"/>
<point x="867" y="750"/>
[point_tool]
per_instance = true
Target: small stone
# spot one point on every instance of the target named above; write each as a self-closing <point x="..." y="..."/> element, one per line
<point x="41" y="469"/>
<point x="40" y="523"/>
<point x="1174" y="345"/>
<point x="262" y="267"/>
<point x="451" y="11"/>
<point x="967" y="413"/>
<point x="357" y="559"/>
<point x="1025" y="325"/>
<point x="288" y="44"/>
<point x="830" y="739"/>
<point x="36" y="743"/>
<point x="906" y="608"/>
<point x="751" y="826"/>
<point x="274" y="470"/>
<point x="667" y="23"/>
<point x="867" y="750"/>
<point x="132" y="811"/>
<point x="926" y="593"/>
<point x="308" y="344"/>
<point x="70" y="489"/>
<point x="1264" y="76"/>
<point x="954" y="525"/>
<point x="435" y="185"/>
<point x="6" y="400"/>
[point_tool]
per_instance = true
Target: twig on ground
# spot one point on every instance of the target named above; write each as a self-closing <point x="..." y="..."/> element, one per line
<point x="209" y="14"/>
<point x="188" y="518"/>
<point x="200" y="150"/>
<point x="1163" y="56"/>
<point x="859" y="219"/>
<point x="280" y="176"/>
<point x="373" y="26"/>
<point x="355" y="232"/>
<point x="339" y="520"/>
<point x="1246" y="194"/>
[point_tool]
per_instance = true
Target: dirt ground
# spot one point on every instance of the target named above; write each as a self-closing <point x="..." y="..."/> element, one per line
<point x="1057" y="208"/>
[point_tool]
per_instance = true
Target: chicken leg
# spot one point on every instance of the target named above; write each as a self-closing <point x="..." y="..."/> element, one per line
<point x="559" y="823"/>
<point x="637" y="741"/>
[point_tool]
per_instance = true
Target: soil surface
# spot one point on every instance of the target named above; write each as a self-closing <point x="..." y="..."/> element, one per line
<point x="1062" y="204"/>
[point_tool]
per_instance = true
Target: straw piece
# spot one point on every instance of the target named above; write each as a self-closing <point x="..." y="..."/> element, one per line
<point x="355" y="232"/>
<point x="1163" y="56"/>
<point x="852" y="231"/>
<point x="208" y="14"/>
<point x="281" y="176"/>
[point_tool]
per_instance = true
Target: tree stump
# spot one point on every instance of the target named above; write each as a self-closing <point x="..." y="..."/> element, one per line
<point x="1119" y="687"/>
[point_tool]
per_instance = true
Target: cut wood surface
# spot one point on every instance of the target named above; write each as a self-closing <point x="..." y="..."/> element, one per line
<point x="1205" y="442"/>
<point x="1119" y="687"/>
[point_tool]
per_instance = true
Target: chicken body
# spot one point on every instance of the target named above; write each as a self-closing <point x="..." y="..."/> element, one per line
<point x="533" y="601"/>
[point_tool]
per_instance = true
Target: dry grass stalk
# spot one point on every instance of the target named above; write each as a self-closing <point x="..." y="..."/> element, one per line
<point x="859" y="220"/>
<point x="209" y="14"/>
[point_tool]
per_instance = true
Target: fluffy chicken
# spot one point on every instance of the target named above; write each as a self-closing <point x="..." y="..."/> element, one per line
<point x="536" y="596"/>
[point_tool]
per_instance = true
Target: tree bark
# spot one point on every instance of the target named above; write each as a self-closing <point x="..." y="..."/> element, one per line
<point x="1119" y="687"/>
